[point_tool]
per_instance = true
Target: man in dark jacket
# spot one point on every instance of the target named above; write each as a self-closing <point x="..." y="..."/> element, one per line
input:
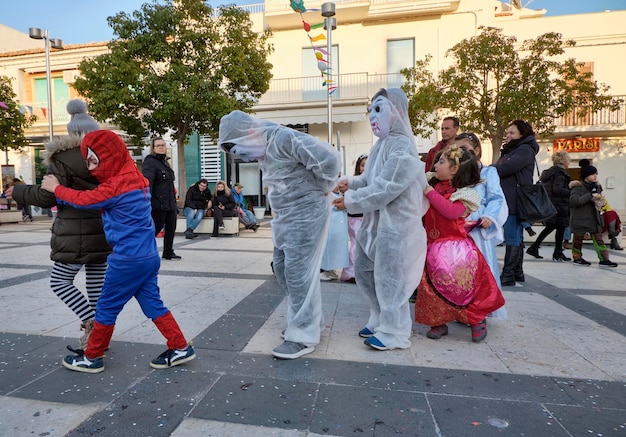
<point x="197" y="203"/>
<point x="449" y="129"/>
<point x="156" y="169"/>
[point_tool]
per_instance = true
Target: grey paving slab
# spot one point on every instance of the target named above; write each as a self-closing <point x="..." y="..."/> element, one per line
<point x="349" y="411"/>
<point x="155" y="405"/>
<point x="471" y="417"/>
<point x="259" y="401"/>
<point x="584" y="422"/>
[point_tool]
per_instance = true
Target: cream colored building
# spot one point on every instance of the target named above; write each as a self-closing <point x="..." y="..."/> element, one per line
<point x="373" y="40"/>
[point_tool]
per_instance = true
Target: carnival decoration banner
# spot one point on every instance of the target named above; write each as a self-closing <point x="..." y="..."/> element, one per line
<point x="321" y="54"/>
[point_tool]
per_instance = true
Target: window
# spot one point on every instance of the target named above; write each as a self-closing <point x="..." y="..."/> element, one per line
<point x="60" y="96"/>
<point x="400" y="54"/>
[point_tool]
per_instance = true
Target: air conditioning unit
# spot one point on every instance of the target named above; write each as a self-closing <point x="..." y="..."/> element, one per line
<point x="69" y="76"/>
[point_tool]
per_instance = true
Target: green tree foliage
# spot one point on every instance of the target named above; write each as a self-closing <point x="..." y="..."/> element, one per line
<point x="178" y="65"/>
<point x="12" y="120"/>
<point x="492" y="82"/>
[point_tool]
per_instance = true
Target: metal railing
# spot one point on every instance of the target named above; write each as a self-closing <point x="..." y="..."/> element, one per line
<point x="602" y="117"/>
<point x="39" y="108"/>
<point x="352" y="86"/>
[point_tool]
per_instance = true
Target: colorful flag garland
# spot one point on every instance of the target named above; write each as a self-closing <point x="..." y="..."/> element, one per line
<point x="322" y="64"/>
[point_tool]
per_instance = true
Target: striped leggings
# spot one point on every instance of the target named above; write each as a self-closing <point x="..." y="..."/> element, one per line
<point x="62" y="284"/>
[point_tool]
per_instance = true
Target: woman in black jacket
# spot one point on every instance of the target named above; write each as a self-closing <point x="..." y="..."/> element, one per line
<point x="556" y="182"/>
<point x="516" y="165"/>
<point x="77" y="234"/>
<point x="223" y="206"/>
<point x="156" y="169"/>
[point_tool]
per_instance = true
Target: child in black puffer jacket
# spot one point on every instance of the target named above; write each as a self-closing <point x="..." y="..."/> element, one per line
<point x="585" y="203"/>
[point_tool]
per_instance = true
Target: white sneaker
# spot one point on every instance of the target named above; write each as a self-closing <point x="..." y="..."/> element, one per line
<point x="329" y="275"/>
<point x="290" y="350"/>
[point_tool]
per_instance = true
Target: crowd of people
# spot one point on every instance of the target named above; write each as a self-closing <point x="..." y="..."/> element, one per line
<point x="399" y="228"/>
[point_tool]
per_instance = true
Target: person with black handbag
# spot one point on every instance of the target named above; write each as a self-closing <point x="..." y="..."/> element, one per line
<point x="515" y="167"/>
<point x="556" y="181"/>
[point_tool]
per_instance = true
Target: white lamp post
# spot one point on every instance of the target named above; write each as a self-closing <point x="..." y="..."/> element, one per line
<point x="330" y="24"/>
<point x="36" y="33"/>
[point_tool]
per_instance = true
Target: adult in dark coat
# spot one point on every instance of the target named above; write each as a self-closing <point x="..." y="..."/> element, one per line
<point x="77" y="235"/>
<point x="556" y="181"/>
<point x="516" y="165"/>
<point x="156" y="169"/>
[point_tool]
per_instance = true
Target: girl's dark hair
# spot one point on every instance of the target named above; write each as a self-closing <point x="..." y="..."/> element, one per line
<point x="357" y="167"/>
<point x="525" y="129"/>
<point x="468" y="174"/>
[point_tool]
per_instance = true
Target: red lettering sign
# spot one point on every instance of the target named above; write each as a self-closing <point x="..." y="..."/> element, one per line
<point x="573" y="145"/>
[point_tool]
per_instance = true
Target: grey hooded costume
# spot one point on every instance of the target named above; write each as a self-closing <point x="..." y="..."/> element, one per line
<point x="391" y="248"/>
<point x="299" y="171"/>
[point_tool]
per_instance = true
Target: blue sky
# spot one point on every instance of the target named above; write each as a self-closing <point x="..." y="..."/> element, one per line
<point x="78" y="22"/>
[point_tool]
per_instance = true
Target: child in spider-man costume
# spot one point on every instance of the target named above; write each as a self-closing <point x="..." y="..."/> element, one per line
<point x="123" y="197"/>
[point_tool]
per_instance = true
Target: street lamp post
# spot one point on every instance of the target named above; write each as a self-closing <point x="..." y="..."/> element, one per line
<point x="37" y="33"/>
<point x="330" y="24"/>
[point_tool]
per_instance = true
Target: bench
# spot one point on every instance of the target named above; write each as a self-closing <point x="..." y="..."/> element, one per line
<point x="231" y="225"/>
<point x="12" y="215"/>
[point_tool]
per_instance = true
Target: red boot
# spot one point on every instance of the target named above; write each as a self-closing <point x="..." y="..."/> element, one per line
<point x="99" y="340"/>
<point x="168" y="326"/>
<point x="178" y="350"/>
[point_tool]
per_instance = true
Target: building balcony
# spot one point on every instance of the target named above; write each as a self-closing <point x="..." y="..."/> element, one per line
<point x="309" y="91"/>
<point x="302" y="100"/>
<point x="601" y="122"/>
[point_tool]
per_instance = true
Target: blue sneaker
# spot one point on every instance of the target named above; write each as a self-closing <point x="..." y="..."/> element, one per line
<point x="365" y="333"/>
<point x="173" y="357"/>
<point x="375" y="343"/>
<point x="80" y="363"/>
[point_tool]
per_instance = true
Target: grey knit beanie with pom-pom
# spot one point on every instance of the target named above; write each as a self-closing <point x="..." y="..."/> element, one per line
<point x="80" y="122"/>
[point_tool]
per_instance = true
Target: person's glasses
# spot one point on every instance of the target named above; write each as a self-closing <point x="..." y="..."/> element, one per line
<point x="160" y="145"/>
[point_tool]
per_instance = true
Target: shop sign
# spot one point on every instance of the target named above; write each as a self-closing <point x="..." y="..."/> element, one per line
<point x="573" y="145"/>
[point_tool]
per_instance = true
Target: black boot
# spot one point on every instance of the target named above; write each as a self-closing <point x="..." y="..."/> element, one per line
<point x="533" y="250"/>
<point x="507" y="278"/>
<point x="615" y="244"/>
<point x="519" y="271"/>
<point x="189" y="234"/>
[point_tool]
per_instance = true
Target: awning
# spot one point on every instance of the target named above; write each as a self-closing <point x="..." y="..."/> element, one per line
<point x="315" y="115"/>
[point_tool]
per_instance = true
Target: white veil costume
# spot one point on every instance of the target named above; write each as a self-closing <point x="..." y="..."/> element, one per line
<point x="392" y="241"/>
<point x="299" y="171"/>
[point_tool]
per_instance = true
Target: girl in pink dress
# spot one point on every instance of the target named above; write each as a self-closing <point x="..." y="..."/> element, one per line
<point x="457" y="283"/>
<point x="354" y="224"/>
